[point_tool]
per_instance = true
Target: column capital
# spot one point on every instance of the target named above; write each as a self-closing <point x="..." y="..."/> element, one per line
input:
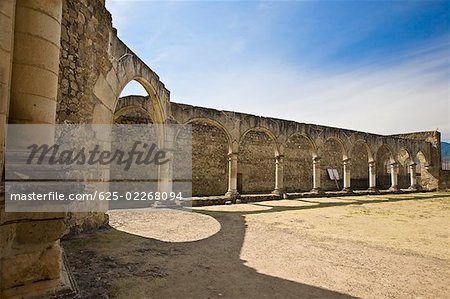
<point x="372" y="163"/>
<point x="316" y="159"/>
<point x="233" y="155"/>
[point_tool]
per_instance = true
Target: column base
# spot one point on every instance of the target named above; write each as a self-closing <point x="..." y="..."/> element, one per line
<point x="232" y="194"/>
<point x="317" y="191"/>
<point x="394" y="189"/>
<point x="347" y="190"/>
<point x="373" y="190"/>
<point x="279" y="192"/>
<point x="413" y="188"/>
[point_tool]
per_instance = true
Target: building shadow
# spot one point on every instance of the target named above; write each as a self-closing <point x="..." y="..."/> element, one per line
<point x="206" y="268"/>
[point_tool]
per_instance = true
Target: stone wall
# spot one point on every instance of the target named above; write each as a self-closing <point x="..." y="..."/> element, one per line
<point x="431" y="165"/>
<point x="209" y="160"/>
<point x="62" y="62"/>
<point x="85" y="36"/>
<point x="258" y="140"/>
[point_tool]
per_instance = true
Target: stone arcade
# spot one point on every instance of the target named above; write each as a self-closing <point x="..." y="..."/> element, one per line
<point x="62" y="62"/>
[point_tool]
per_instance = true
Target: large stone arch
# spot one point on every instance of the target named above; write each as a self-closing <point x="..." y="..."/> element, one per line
<point x="404" y="158"/>
<point x="211" y="144"/>
<point x="332" y="153"/>
<point x="384" y="158"/>
<point x="360" y="156"/>
<point x="256" y="162"/>
<point x="126" y="67"/>
<point x="299" y="150"/>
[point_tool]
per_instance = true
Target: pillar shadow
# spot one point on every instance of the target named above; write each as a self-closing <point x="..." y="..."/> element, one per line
<point x="207" y="268"/>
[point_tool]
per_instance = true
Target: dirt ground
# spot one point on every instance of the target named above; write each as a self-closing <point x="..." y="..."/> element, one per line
<point x="393" y="246"/>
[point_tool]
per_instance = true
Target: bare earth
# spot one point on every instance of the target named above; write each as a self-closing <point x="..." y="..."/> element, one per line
<point x="394" y="246"/>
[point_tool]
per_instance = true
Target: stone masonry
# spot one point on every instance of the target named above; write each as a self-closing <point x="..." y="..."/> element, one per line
<point x="62" y="62"/>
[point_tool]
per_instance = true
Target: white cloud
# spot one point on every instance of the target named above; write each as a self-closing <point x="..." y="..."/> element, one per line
<point x="412" y="95"/>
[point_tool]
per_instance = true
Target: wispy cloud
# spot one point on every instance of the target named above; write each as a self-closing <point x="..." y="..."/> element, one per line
<point x="289" y="61"/>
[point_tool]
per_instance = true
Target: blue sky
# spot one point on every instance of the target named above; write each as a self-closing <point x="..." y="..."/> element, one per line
<point x="376" y="66"/>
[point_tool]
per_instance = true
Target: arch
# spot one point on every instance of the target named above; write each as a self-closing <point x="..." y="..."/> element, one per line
<point x="299" y="151"/>
<point x="158" y="110"/>
<point x="330" y="159"/>
<point x="311" y="142"/>
<point x="341" y="143"/>
<point x="266" y="131"/>
<point x="403" y="155"/>
<point x="214" y="123"/>
<point x="256" y="161"/>
<point x="404" y="159"/>
<point x="370" y="154"/>
<point x="211" y="145"/>
<point x="384" y="157"/>
<point x="389" y="149"/>
<point x="127" y="109"/>
<point x="361" y="155"/>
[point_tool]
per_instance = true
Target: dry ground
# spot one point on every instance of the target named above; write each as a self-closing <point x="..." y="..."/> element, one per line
<point x="373" y="247"/>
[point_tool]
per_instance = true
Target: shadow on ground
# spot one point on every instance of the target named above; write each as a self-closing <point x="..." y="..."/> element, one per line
<point x="116" y="264"/>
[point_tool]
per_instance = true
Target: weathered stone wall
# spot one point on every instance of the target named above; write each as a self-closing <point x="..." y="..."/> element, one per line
<point x="298" y="167"/>
<point x="430" y="164"/>
<point x="256" y="164"/>
<point x="332" y="157"/>
<point x="359" y="167"/>
<point x="85" y="34"/>
<point x="209" y="160"/>
<point x="256" y="159"/>
<point x="7" y="8"/>
<point x="61" y="61"/>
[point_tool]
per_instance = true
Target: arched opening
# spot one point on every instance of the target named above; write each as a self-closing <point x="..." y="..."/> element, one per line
<point x="256" y="164"/>
<point x="404" y="161"/>
<point x="298" y="166"/>
<point x="360" y="166"/>
<point x="133" y="121"/>
<point x="332" y="155"/>
<point x="384" y="160"/>
<point x="210" y="147"/>
<point x="134" y="106"/>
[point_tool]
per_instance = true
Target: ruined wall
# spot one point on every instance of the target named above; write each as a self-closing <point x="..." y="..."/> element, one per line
<point x="256" y="164"/>
<point x="85" y="34"/>
<point x="298" y="168"/>
<point x="7" y="8"/>
<point x="332" y="158"/>
<point x="359" y="167"/>
<point x="431" y="167"/>
<point x="209" y="160"/>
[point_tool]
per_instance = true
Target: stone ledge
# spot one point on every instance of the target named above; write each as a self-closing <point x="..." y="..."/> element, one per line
<point x="248" y="198"/>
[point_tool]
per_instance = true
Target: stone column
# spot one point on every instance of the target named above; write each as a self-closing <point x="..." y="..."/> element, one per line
<point x="316" y="175"/>
<point x="31" y="257"/>
<point x="35" y="62"/>
<point x="7" y="9"/>
<point x="347" y="176"/>
<point x="412" y="176"/>
<point x="232" y="175"/>
<point x="372" y="177"/>
<point x="279" y="175"/>
<point x="394" y="177"/>
<point x="165" y="180"/>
